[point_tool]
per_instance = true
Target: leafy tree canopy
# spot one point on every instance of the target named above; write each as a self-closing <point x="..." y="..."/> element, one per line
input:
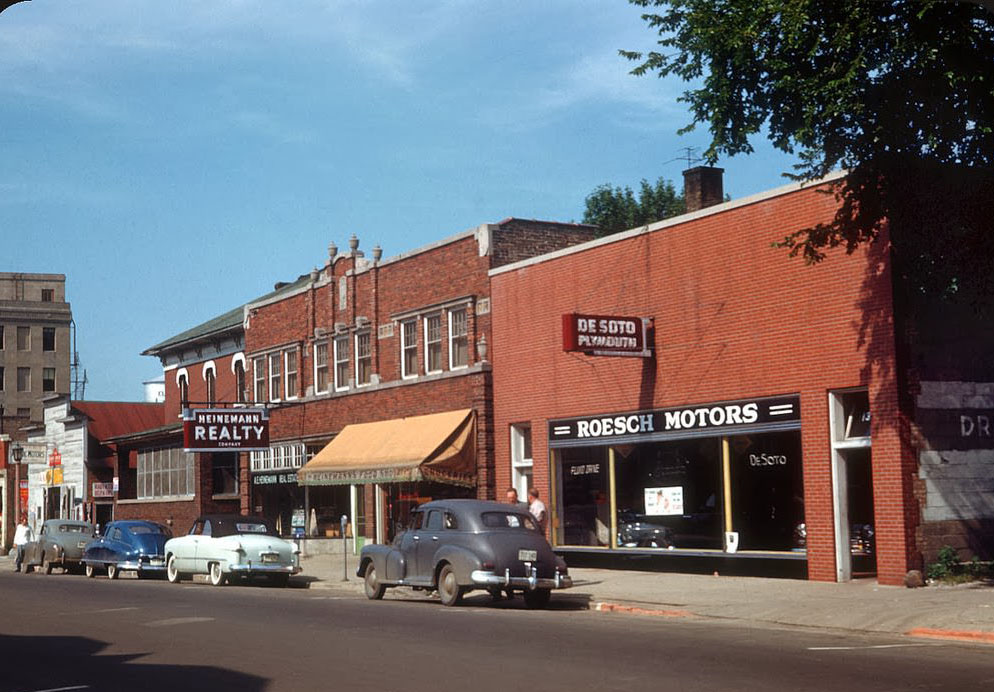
<point x="614" y="209"/>
<point x="898" y="92"/>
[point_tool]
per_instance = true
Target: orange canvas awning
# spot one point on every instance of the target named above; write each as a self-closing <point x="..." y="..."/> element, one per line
<point x="439" y="447"/>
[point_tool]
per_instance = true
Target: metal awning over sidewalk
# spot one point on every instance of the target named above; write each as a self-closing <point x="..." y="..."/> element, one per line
<point x="439" y="447"/>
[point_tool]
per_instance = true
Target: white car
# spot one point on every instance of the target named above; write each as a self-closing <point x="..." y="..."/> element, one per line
<point x="225" y="546"/>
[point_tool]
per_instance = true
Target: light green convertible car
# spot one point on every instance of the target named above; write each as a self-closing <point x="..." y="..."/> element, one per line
<point x="231" y="546"/>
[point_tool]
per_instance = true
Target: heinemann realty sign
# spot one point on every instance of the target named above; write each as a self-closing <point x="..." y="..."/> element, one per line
<point x="220" y="429"/>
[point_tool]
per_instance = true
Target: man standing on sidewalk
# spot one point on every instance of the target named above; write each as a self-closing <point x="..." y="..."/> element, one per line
<point x="22" y="536"/>
<point x="537" y="509"/>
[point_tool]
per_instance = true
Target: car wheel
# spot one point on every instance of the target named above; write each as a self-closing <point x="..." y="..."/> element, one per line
<point x="173" y="574"/>
<point x="539" y="598"/>
<point x="374" y="589"/>
<point x="448" y="588"/>
<point x="112" y="571"/>
<point x="90" y="572"/>
<point x="217" y="577"/>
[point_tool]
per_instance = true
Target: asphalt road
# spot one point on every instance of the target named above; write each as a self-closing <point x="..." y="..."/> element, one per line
<point x="63" y="632"/>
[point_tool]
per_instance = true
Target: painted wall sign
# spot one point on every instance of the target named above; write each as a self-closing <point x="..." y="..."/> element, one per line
<point x="718" y="417"/>
<point x="607" y="335"/>
<point x="215" y="429"/>
<point x="274" y="479"/>
<point x="102" y="489"/>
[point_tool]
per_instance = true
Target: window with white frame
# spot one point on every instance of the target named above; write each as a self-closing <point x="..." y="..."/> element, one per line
<point x="164" y="473"/>
<point x="433" y="343"/>
<point x="275" y="370"/>
<point x="363" y="358"/>
<point x="521" y="458"/>
<point x="259" y="373"/>
<point x="184" y="390"/>
<point x="409" y="348"/>
<point x="320" y="368"/>
<point x="239" y="367"/>
<point x="341" y="362"/>
<point x="458" y="339"/>
<point x="277" y="457"/>
<point x="211" y="383"/>
<point x="290" y="360"/>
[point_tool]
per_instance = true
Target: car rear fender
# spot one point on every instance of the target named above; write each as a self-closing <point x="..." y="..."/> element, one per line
<point x="462" y="560"/>
<point x="387" y="561"/>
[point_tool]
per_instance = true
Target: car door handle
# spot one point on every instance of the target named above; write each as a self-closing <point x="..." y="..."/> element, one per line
<point x="434" y="538"/>
<point x="417" y="538"/>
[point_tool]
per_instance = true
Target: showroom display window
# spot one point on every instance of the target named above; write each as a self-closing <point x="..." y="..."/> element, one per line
<point x="713" y="477"/>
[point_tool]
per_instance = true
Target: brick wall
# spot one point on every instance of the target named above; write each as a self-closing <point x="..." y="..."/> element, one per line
<point x="734" y="318"/>
<point x="224" y="385"/>
<point x="518" y="239"/>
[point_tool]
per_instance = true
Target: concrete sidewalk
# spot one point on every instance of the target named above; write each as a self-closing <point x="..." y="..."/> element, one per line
<point x="963" y="612"/>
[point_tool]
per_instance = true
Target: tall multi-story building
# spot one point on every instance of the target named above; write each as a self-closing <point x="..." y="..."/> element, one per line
<point x="35" y="345"/>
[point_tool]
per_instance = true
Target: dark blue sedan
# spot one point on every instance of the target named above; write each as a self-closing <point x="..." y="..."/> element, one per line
<point x="132" y="545"/>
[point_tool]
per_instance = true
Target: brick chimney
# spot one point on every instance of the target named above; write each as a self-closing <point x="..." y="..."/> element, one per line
<point x="702" y="187"/>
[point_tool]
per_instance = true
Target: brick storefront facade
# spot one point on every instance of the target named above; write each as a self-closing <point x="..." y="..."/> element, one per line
<point x="734" y="319"/>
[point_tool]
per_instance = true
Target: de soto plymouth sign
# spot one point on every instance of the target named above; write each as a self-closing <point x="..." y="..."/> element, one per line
<point x="219" y="430"/>
<point x="607" y="335"/>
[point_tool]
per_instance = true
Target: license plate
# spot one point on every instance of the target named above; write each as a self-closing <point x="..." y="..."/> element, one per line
<point x="157" y="562"/>
<point x="81" y="544"/>
<point x="528" y="555"/>
<point x="270" y="558"/>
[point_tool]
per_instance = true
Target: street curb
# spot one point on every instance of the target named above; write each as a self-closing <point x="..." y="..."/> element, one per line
<point x="955" y="635"/>
<point x="635" y="610"/>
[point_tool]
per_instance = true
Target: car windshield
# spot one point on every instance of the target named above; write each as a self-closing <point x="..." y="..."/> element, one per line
<point x="72" y="528"/>
<point x="143" y="530"/>
<point x="509" y="520"/>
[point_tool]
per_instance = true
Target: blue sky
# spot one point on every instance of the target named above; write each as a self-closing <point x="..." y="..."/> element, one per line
<point x="175" y="159"/>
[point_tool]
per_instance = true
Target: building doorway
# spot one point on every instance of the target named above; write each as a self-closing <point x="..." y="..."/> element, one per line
<point x="852" y="485"/>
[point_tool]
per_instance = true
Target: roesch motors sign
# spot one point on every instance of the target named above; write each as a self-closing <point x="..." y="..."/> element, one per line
<point x="607" y="335"/>
<point x="681" y="421"/>
<point x="226" y="429"/>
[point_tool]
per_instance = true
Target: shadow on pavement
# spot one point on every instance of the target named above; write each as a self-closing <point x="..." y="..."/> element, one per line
<point x="52" y="663"/>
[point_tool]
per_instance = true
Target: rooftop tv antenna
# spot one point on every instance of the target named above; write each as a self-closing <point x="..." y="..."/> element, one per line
<point x="78" y="381"/>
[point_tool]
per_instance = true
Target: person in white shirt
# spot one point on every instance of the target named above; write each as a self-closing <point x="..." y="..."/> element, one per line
<point x="537" y="509"/>
<point x="22" y="536"/>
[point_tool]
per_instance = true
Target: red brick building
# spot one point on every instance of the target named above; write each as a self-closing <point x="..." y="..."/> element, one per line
<point x="157" y="479"/>
<point x="746" y="436"/>
<point x="393" y="348"/>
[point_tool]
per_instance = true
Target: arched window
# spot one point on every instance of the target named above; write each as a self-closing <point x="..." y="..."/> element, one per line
<point x="211" y="387"/>
<point x="240" y="381"/>
<point x="184" y="390"/>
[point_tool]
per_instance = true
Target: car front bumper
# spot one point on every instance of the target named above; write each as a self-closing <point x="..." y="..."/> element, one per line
<point x="531" y="581"/>
<point x="256" y="568"/>
<point x="139" y="566"/>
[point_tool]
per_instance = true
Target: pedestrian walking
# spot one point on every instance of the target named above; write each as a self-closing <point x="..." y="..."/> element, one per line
<point x="22" y="536"/>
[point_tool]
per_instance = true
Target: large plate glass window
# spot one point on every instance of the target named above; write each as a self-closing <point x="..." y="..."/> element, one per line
<point x="458" y="339"/>
<point x="767" y="505"/>
<point x="586" y="506"/>
<point x="409" y="348"/>
<point x="669" y="494"/>
<point x="433" y="343"/>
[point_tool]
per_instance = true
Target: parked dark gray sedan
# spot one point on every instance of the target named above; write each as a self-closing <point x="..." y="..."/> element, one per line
<point x="455" y="546"/>
<point x="60" y="544"/>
